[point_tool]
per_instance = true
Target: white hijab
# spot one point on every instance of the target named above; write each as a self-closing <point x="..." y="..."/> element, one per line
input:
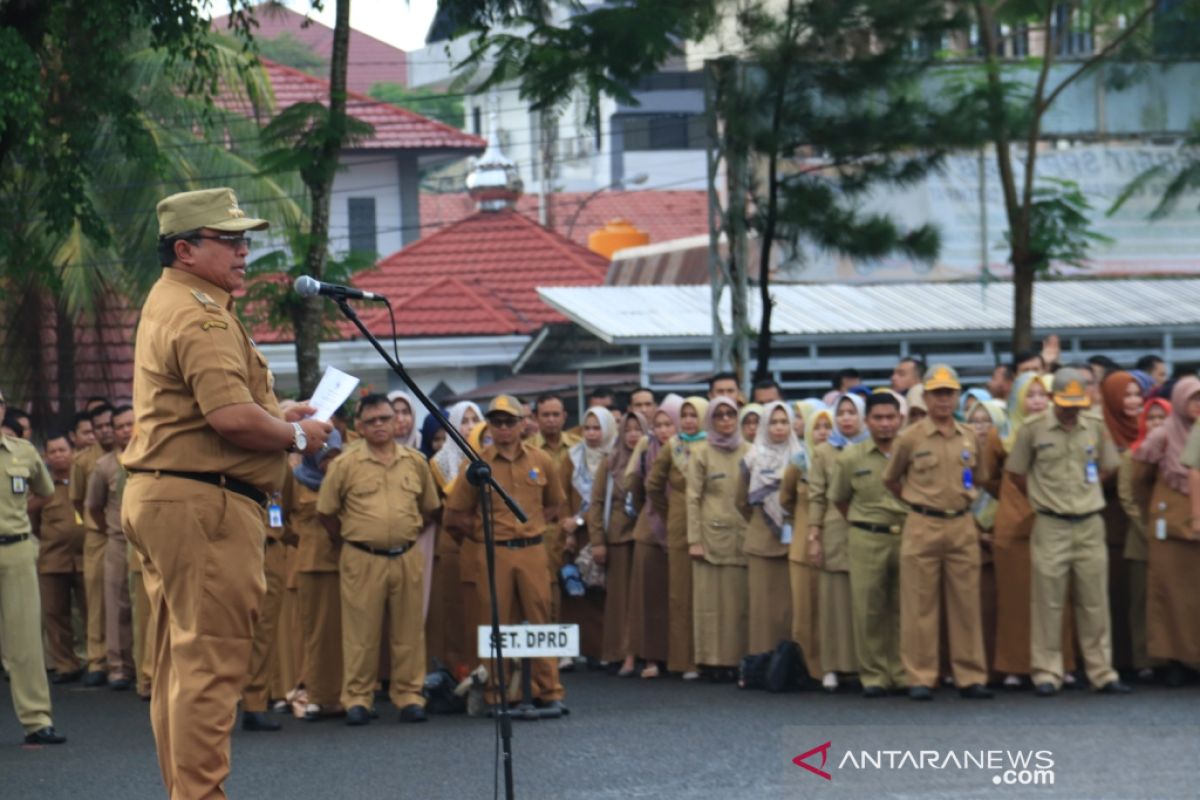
<point x="766" y="463"/>
<point x="450" y="458"/>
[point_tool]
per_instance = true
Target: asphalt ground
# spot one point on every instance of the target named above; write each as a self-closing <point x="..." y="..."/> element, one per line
<point x="630" y="738"/>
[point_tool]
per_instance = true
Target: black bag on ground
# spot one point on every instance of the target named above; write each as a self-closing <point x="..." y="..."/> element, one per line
<point x="752" y="672"/>
<point x="785" y="668"/>
<point x="439" y="692"/>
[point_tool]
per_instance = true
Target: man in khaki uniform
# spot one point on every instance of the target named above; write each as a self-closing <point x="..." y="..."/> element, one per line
<point x="103" y="502"/>
<point x="1061" y="459"/>
<point x="522" y="586"/>
<point x="256" y="695"/>
<point x="23" y="473"/>
<point x="375" y="500"/>
<point x="95" y="544"/>
<point x="876" y="518"/>
<point x="207" y="450"/>
<point x="933" y="470"/>
<point x="60" y="564"/>
<point x="556" y="443"/>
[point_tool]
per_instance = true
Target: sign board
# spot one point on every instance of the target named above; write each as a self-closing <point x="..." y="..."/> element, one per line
<point x="531" y="641"/>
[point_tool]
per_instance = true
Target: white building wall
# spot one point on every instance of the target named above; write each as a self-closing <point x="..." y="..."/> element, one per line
<point x="375" y="175"/>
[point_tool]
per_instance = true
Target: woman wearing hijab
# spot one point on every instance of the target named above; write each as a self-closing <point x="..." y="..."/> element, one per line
<point x="804" y="576"/>
<point x="828" y="528"/>
<point x="610" y="531"/>
<point x="433" y="436"/>
<point x="1165" y="473"/>
<point x="449" y="634"/>
<point x="984" y="418"/>
<point x="749" y="417"/>
<point x="666" y="491"/>
<point x="715" y="534"/>
<point x="649" y="603"/>
<point x="408" y="433"/>
<point x="1010" y="539"/>
<point x="317" y="585"/>
<point x="586" y="458"/>
<point x="761" y="474"/>
<point x="1122" y="401"/>
<point x="1152" y="415"/>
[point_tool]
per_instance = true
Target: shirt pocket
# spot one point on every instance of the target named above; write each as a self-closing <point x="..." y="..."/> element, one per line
<point x="924" y="468"/>
<point x="18" y="479"/>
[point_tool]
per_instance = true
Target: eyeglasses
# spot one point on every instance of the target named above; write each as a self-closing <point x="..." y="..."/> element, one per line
<point x="724" y="414"/>
<point x="378" y="420"/>
<point x="503" y="422"/>
<point x="235" y="240"/>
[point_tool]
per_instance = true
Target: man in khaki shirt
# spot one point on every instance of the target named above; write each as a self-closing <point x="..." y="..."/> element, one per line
<point x="208" y="448"/>
<point x="103" y="502"/>
<point x="556" y="443"/>
<point x="375" y="500"/>
<point x="522" y="583"/>
<point x="876" y="518"/>
<point x="95" y="543"/>
<point x="1060" y="460"/>
<point x="26" y="485"/>
<point x="60" y="564"/>
<point x="933" y="470"/>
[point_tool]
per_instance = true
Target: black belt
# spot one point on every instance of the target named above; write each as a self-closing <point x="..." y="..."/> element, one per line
<point x="1067" y="517"/>
<point x="872" y="528"/>
<point x="937" y="512"/>
<point x="517" y="544"/>
<point x="18" y="537"/>
<point x="393" y="552"/>
<point x="214" y="479"/>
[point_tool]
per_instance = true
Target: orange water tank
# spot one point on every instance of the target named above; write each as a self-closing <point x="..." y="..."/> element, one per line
<point x="616" y="235"/>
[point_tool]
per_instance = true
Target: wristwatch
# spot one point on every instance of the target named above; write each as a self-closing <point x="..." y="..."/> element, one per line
<point x="299" y="439"/>
<point x="578" y="521"/>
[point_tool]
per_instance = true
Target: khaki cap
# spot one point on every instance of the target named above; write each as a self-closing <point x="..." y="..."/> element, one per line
<point x="1070" y="389"/>
<point x="207" y="208"/>
<point x="505" y="404"/>
<point x="941" y="376"/>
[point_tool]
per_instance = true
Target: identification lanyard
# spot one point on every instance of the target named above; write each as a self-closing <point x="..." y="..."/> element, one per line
<point x="274" y="515"/>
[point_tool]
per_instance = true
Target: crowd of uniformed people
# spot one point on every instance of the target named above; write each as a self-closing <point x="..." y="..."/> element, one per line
<point x="1038" y="531"/>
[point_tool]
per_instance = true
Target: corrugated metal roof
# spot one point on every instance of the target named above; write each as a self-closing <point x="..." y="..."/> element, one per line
<point x="628" y="314"/>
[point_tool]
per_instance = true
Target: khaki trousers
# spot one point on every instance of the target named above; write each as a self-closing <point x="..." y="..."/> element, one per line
<point x="57" y="590"/>
<point x="1070" y="556"/>
<point x="21" y="634"/>
<point x="256" y="694"/>
<point x="95" y="546"/>
<point x="371" y="585"/>
<point x="202" y="561"/>
<point x="320" y="600"/>
<point x="118" y="609"/>
<point x="936" y="556"/>
<point x="875" y="600"/>
<point x="143" y="627"/>
<point x="522" y="595"/>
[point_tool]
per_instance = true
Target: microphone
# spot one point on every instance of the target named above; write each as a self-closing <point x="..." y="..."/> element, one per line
<point x="307" y="286"/>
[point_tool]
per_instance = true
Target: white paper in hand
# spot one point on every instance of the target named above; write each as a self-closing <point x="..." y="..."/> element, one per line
<point x="332" y="391"/>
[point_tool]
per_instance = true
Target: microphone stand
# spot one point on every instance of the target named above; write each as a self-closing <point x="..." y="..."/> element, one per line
<point x="479" y="475"/>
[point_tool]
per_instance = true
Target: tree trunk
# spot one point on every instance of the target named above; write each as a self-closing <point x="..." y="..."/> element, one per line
<point x="1023" y="276"/>
<point x="65" y="348"/>
<point x="320" y="188"/>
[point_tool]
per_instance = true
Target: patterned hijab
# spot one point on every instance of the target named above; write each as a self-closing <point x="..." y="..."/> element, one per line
<point x="766" y="462"/>
<point x="587" y="459"/>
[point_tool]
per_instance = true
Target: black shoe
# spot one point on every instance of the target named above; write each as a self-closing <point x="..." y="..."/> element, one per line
<point x="556" y="705"/>
<point x="413" y="713"/>
<point x="67" y="677"/>
<point x="1045" y="690"/>
<point x="258" y="721"/>
<point x="871" y="692"/>
<point x="121" y="685"/>
<point x="920" y="693"/>
<point x="46" y="735"/>
<point x="94" y="680"/>
<point x="1176" y="677"/>
<point x="976" y="691"/>
<point x="1115" y="687"/>
<point x="357" y="715"/>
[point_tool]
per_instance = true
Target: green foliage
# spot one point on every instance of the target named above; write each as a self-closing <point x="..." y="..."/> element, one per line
<point x="1180" y="181"/>
<point x="298" y="140"/>
<point x="1059" y="227"/>
<point x="447" y="108"/>
<point x="286" y="49"/>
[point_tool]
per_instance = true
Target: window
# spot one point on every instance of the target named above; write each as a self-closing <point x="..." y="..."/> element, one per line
<point x="663" y="131"/>
<point x="476" y="121"/>
<point x="362" y="225"/>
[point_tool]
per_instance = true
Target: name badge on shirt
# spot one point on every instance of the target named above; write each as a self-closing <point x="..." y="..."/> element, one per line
<point x="1160" y="529"/>
<point x="18" y="484"/>
<point x="275" y="515"/>
<point x="785" y="536"/>
<point x="968" y="474"/>
<point x="1092" y="473"/>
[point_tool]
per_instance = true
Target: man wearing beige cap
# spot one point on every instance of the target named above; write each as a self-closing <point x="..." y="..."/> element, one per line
<point x="933" y="470"/>
<point x="1061" y="460"/>
<point x="522" y="577"/>
<point x="209" y="444"/>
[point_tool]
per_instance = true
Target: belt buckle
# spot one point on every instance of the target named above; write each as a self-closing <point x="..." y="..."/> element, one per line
<point x="894" y="529"/>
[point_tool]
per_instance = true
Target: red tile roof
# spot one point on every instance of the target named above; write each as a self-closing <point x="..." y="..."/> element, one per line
<point x="665" y="215"/>
<point x="477" y="277"/>
<point x="370" y="60"/>
<point x="395" y="128"/>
